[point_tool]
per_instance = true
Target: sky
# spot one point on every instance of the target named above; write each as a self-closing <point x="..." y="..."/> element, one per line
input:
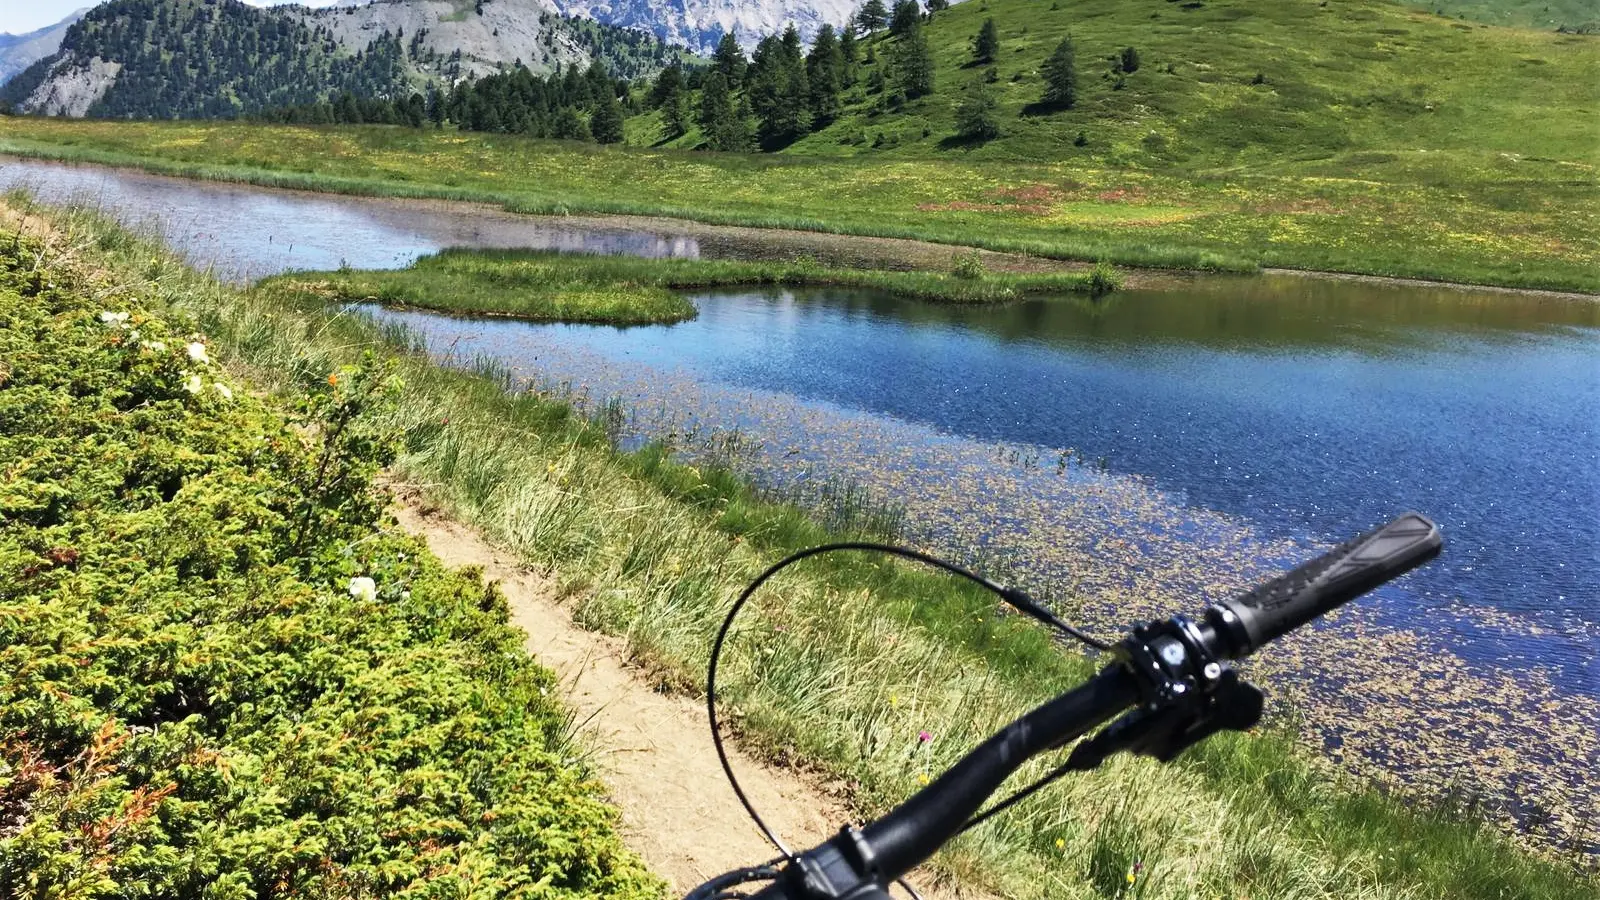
<point x="23" y="16"/>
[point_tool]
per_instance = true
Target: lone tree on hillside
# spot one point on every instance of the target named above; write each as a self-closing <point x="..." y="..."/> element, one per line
<point x="872" y="16"/>
<point x="850" y="54"/>
<point x="824" y="77"/>
<point x="977" y="118"/>
<point x="987" y="43"/>
<point x="906" y="13"/>
<point x="914" y="62"/>
<point x="1130" y="60"/>
<point x="1061" y="77"/>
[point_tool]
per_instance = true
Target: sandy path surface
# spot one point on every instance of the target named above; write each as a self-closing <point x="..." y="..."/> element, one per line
<point x="653" y="750"/>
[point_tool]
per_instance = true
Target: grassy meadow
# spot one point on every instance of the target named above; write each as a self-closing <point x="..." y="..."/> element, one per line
<point x="619" y="290"/>
<point x="653" y="550"/>
<point x="1357" y="136"/>
<point x="1541" y="236"/>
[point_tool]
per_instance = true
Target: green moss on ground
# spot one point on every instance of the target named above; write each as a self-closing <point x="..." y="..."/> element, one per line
<point x="200" y="699"/>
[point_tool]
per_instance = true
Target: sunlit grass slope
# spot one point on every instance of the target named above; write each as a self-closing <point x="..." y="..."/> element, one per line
<point x="1547" y="15"/>
<point x="1227" y="86"/>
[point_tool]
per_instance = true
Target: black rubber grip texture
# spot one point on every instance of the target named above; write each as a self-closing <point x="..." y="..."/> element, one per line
<point x="1331" y="580"/>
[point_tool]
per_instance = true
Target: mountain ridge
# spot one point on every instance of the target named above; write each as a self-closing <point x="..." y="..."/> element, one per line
<point x="225" y="58"/>
<point x="19" y="51"/>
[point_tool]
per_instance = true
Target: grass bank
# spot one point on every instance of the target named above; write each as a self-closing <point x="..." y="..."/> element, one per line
<point x="1462" y="217"/>
<point x="847" y="660"/>
<point x="203" y="697"/>
<point x="622" y="290"/>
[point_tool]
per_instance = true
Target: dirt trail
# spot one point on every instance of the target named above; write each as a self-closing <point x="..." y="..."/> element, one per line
<point x="653" y="750"/>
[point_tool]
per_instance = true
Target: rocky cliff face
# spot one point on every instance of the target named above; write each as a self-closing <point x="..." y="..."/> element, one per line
<point x="694" y="24"/>
<point x="699" y="24"/>
<point x="504" y="31"/>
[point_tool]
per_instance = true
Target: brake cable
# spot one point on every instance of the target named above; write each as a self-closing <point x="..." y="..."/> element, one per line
<point x="1014" y="597"/>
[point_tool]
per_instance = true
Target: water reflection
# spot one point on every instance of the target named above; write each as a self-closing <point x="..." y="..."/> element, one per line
<point x="246" y="233"/>
<point x="1262" y="313"/>
<point x="1309" y="425"/>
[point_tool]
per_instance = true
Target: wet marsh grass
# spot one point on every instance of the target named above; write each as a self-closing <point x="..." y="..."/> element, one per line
<point x="548" y="286"/>
<point x="844" y="661"/>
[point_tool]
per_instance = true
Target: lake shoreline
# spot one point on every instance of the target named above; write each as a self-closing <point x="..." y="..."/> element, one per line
<point x="740" y="241"/>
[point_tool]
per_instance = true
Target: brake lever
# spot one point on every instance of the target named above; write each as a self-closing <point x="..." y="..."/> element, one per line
<point x="1168" y="729"/>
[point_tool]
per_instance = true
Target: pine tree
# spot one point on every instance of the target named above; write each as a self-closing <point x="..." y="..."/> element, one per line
<point x="987" y="43"/>
<point x="675" y="115"/>
<point x="606" y="123"/>
<point x="850" y="52"/>
<point x="719" y="119"/>
<point x="777" y="91"/>
<point x="913" y="61"/>
<point x="569" y="125"/>
<point x="436" y="102"/>
<point x="977" y="117"/>
<point x="730" y="61"/>
<point x="1130" y="60"/>
<point x="600" y="84"/>
<point x="667" y="87"/>
<point x="872" y="16"/>
<point x="824" y="77"/>
<point x="906" y="14"/>
<point x="1061" y="77"/>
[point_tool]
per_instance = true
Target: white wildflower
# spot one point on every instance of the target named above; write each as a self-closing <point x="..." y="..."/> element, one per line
<point x="197" y="352"/>
<point x="156" y="347"/>
<point x="114" y="319"/>
<point x="224" y="391"/>
<point x="405" y="595"/>
<point x="364" y="588"/>
<point x="193" y="385"/>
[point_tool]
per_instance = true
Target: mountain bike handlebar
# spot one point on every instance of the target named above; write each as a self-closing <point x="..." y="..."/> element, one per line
<point x="1171" y="672"/>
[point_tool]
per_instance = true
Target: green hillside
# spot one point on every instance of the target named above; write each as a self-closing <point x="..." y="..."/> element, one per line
<point x="1227" y="83"/>
<point x="1358" y="136"/>
<point x="1567" y="15"/>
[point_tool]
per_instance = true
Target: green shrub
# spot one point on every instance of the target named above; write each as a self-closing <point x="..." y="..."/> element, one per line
<point x="1104" y="278"/>
<point x="203" y="696"/>
<point x="968" y="266"/>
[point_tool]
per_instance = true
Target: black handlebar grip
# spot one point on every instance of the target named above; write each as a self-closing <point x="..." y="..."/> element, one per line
<point x="1325" y="583"/>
